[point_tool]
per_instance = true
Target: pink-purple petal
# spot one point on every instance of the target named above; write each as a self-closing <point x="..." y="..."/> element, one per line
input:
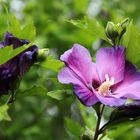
<point x="110" y="101"/>
<point x="78" y="59"/>
<point x="95" y="76"/>
<point x="130" y="86"/>
<point x="67" y="76"/>
<point x="111" y="61"/>
<point x="83" y="93"/>
<point x="86" y="96"/>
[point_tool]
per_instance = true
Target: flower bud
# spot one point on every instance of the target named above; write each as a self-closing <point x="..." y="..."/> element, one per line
<point x="42" y="54"/>
<point x="125" y="22"/>
<point x="111" y="31"/>
<point x="123" y="25"/>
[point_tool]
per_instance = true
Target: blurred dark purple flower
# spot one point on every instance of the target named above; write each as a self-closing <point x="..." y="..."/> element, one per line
<point x="12" y="71"/>
<point x="129" y="112"/>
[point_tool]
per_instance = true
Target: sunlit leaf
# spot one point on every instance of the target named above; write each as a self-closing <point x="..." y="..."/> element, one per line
<point x="4" y="114"/>
<point x="8" y="52"/>
<point x="52" y="64"/>
<point x="24" y="32"/>
<point x="91" y="26"/>
<point x="131" y="40"/>
<point x="28" y="32"/>
<point x="14" y="25"/>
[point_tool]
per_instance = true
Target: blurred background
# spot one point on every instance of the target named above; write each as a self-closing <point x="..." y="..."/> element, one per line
<point x="44" y="118"/>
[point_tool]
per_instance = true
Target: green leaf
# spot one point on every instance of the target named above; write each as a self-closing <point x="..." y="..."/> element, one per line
<point x="35" y="90"/>
<point x="14" y="25"/>
<point x="39" y="90"/>
<point x="73" y="127"/>
<point x="8" y="52"/>
<point x="106" y="138"/>
<point x="4" y="114"/>
<point x="89" y="116"/>
<point x="123" y="128"/>
<point x="26" y="32"/>
<point x="59" y="94"/>
<point x="91" y="26"/>
<point x="131" y="40"/>
<point x="52" y="64"/>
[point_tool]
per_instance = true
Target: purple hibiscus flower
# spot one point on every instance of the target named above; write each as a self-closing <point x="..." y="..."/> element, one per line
<point x="111" y="80"/>
<point x="12" y="71"/>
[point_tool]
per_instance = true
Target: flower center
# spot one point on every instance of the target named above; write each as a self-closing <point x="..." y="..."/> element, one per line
<point x="104" y="88"/>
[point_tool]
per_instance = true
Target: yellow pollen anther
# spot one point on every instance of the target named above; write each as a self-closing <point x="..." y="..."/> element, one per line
<point x="105" y="86"/>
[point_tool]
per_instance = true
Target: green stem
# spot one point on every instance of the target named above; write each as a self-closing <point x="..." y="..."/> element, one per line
<point x="98" y="124"/>
<point x="10" y="98"/>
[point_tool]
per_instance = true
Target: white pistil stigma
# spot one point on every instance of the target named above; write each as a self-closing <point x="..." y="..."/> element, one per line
<point x="104" y="88"/>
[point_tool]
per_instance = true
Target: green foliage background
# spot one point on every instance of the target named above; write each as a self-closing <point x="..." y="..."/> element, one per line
<point x="41" y="117"/>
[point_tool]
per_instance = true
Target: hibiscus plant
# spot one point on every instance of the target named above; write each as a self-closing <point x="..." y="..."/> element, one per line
<point x="108" y="80"/>
<point x="111" y="80"/>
